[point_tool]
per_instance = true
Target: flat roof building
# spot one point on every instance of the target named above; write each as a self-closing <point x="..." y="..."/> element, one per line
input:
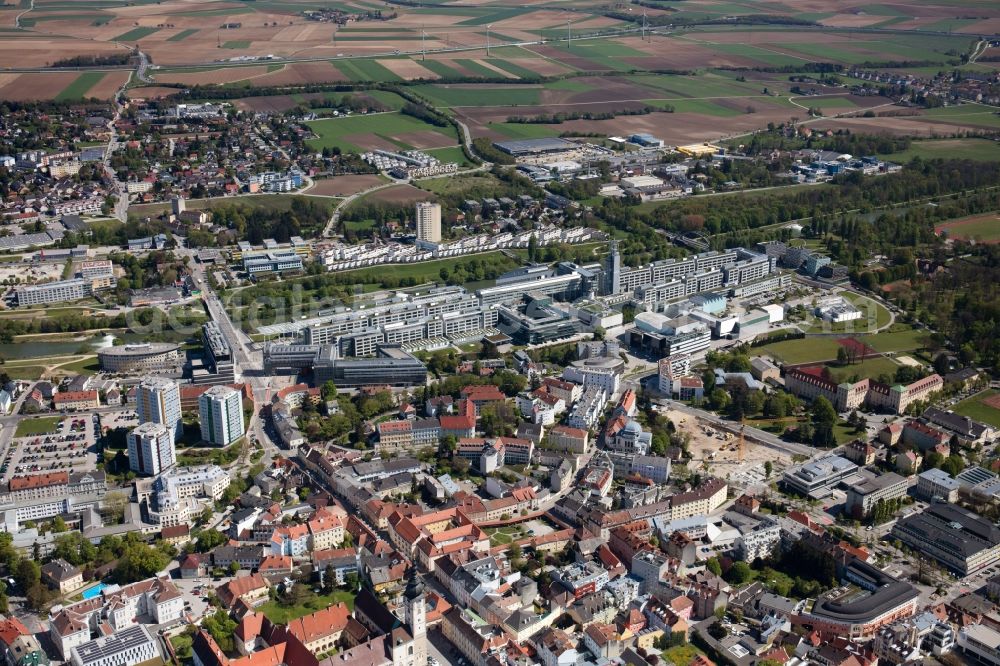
<point x="957" y="538"/>
<point x="534" y="146"/>
<point x="818" y="478"/>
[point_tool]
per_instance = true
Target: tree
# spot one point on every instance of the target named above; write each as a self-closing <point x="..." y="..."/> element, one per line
<point x="768" y="469"/>
<point x="208" y="540"/>
<point x="842" y="357"/>
<point x="234" y="568"/>
<point x="58" y="524"/>
<point x="221" y="627"/>
<point x="713" y="565"/>
<point x="740" y="573"/>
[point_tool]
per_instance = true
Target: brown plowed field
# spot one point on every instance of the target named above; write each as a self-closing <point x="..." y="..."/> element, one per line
<point x="401" y="194"/>
<point x="370" y="142"/>
<point x="343" y="186"/>
<point x="108" y="86"/>
<point x="407" y="69"/>
<point x="32" y="86"/>
<point x="151" y="92"/>
<point x="221" y="75"/>
<point x="301" y="73"/>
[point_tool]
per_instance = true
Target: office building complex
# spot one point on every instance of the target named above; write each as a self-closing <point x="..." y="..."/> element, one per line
<point x="151" y="449"/>
<point x="428" y="217"/>
<point x="220" y="410"/>
<point x="818" y="478"/>
<point x="218" y="353"/>
<point x="957" y="538"/>
<point x="63" y="290"/>
<point x="391" y="366"/>
<point x="158" y="400"/>
<point x="863" y="497"/>
<point x="144" y="357"/>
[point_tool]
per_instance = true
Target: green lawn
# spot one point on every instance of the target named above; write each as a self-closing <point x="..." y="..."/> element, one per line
<point x="975" y="409"/>
<point x="38" y="426"/>
<point x="283" y="614"/>
<point x="453" y="154"/>
<point x="874" y="316"/>
<point x="135" y="34"/>
<point x="86" y="366"/>
<point x="904" y="338"/>
<point x="869" y="368"/>
<point x="969" y="149"/>
<point x="337" y="132"/>
<point x="526" y="130"/>
<point x="805" y="350"/>
<point x="270" y="202"/>
<point x="80" y="86"/>
<point x="705" y="107"/>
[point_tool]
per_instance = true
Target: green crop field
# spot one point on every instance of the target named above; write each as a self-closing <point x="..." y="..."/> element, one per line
<point x="136" y="34"/>
<point x="441" y="69"/>
<point x="388" y="98"/>
<point x="445" y="96"/>
<point x="365" y="70"/>
<point x="515" y="69"/>
<point x="526" y="130"/>
<point x="671" y="86"/>
<point x="81" y="86"/>
<point x="968" y="149"/>
<point x="236" y="44"/>
<point x="972" y="114"/>
<point x="335" y="132"/>
<point x="975" y="409"/>
<point x="705" y="107"/>
<point x="182" y="35"/>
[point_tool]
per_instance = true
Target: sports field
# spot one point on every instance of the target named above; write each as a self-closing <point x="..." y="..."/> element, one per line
<point x="975" y="408"/>
<point x="981" y="228"/>
<point x="386" y="131"/>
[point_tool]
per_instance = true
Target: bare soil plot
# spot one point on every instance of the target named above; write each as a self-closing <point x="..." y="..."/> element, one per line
<point x="539" y="65"/>
<point x="901" y="126"/>
<point x="985" y="27"/>
<point x="37" y="86"/>
<point x="150" y="92"/>
<point x="301" y="73"/>
<point x="215" y="76"/>
<point x="407" y="69"/>
<point x="400" y="194"/>
<point x="344" y="186"/>
<point x="108" y="86"/>
<point x="31" y="51"/>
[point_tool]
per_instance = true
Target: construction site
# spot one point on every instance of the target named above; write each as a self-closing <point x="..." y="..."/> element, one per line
<point x="725" y="452"/>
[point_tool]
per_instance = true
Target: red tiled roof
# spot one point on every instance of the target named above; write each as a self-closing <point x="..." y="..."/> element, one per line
<point x="39" y="480"/>
<point x="74" y="396"/>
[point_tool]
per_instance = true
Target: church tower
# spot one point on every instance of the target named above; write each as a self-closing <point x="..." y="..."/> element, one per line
<point x="415" y="619"/>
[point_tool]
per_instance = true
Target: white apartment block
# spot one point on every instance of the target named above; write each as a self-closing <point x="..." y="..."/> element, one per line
<point x="151" y="449"/>
<point x="220" y="411"/>
<point x="158" y="400"/>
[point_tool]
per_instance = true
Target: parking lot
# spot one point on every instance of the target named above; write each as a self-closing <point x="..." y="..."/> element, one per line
<point x="67" y="447"/>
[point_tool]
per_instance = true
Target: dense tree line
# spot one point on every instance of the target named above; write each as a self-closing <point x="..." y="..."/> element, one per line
<point x="110" y="59"/>
<point x="424" y="113"/>
<point x="853" y="191"/>
<point x="563" y="116"/>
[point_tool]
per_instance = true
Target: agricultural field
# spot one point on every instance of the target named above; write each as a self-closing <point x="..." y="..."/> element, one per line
<point x="385" y="131"/>
<point x="981" y="228"/>
<point x="969" y="149"/>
